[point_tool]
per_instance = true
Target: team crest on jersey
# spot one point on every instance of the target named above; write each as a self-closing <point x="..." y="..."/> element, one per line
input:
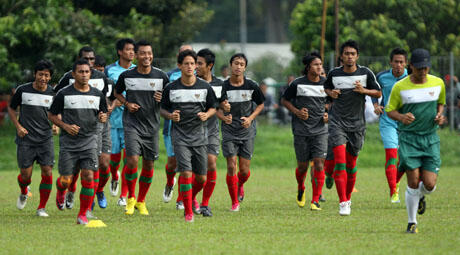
<point x="322" y="90"/>
<point x="47" y="101"/>
<point x="245" y="96"/>
<point x="431" y="93"/>
<point x="152" y="84"/>
<point x="91" y="101"/>
<point x="197" y="96"/>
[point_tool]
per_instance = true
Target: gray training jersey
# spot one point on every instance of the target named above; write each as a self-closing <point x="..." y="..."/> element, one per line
<point x="213" y="122"/>
<point x="303" y="93"/>
<point x="33" y="113"/>
<point x="243" y="101"/>
<point x="347" y="111"/>
<point x="189" y="100"/>
<point x="140" y="89"/>
<point x="81" y="109"/>
<point x="97" y="80"/>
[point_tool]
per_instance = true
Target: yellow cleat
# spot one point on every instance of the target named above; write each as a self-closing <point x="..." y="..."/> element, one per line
<point x="142" y="208"/>
<point x="301" y="198"/>
<point x="395" y="198"/>
<point x="129" y="210"/>
<point x="315" y="206"/>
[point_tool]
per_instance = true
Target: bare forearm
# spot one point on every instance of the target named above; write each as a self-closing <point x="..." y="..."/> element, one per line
<point x="373" y="93"/>
<point x="14" y="117"/>
<point x="395" y="115"/>
<point x="120" y="98"/>
<point x="256" y="112"/>
<point x="56" y="120"/>
<point x="289" y="106"/>
<point x="165" y="114"/>
<point x="440" y="108"/>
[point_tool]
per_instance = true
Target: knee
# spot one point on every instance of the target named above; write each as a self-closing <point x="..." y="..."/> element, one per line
<point x="87" y="175"/>
<point x="318" y="165"/>
<point x="200" y="178"/>
<point x="430" y="185"/>
<point x="47" y="171"/>
<point x="302" y="167"/>
<point x="131" y="162"/>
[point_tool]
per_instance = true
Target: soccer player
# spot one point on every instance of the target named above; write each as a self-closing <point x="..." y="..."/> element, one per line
<point x="306" y="99"/>
<point x="348" y="85"/>
<point x="125" y="52"/>
<point x="170" y="167"/>
<point x="82" y="107"/>
<point x="189" y="102"/>
<point x="388" y="127"/>
<point x="141" y="122"/>
<point x="34" y="138"/>
<point x="205" y="63"/>
<point x="417" y="103"/>
<point x="241" y="101"/>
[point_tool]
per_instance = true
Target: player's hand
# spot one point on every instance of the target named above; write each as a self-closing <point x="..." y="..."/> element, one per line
<point x="175" y="116"/>
<point x="55" y="129"/>
<point x="102" y="117"/>
<point x="407" y="118"/>
<point x="225" y="106"/>
<point x="109" y="109"/>
<point x="202" y="115"/>
<point x="378" y="109"/>
<point x="116" y="103"/>
<point x="335" y="93"/>
<point x="227" y="119"/>
<point x="246" y="122"/>
<point x="22" y="131"/>
<point x="439" y="119"/>
<point x="157" y="96"/>
<point x="133" y="107"/>
<point x="326" y="117"/>
<point x="302" y="114"/>
<point x="72" y="129"/>
<point x="359" y="87"/>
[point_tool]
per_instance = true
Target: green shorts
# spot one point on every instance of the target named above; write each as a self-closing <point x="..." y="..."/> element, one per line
<point x="419" y="151"/>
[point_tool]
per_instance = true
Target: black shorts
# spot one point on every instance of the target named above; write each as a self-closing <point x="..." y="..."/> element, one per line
<point x="104" y="140"/>
<point x="43" y="154"/>
<point x="242" y="148"/>
<point x="70" y="162"/>
<point x="354" y="140"/>
<point x="310" y="147"/>
<point x="145" y="146"/>
<point x="194" y="158"/>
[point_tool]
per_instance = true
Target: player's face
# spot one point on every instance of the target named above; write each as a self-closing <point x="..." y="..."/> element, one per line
<point x="188" y="66"/>
<point x="127" y="53"/>
<point x="82" y="74"/>
<point x="397" y="64"/>
<point x="316" y="67"/>
<point x="350" y="56"/>
<point x="238" y="66"/>
<point x="89" y="56"/>
<point x="201" y="68"/>
<point x="419" y="74"/>
<point x="144" y="56"/>
<point x="42" y="77"/>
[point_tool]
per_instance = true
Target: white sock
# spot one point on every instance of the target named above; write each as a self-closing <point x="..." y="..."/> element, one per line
<point x="423" y="190"/>
<point x="412" y="198"/>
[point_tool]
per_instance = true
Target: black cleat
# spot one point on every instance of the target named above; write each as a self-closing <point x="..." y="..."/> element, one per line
<point x="421" y="205"/>
<point x="412" y="228"/>
<point x="329" y="181"/>
<point x="322" y="198"/>
<point x="206" y="211"/>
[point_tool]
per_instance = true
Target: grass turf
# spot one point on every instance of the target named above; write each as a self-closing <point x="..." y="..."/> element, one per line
<point x="269" y="221"/>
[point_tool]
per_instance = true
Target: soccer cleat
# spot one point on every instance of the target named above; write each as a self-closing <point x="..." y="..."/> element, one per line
<point x="189" y="218"/>
<point x="101" y="200"/>
<point x="22" y="201"/>
<point x="60" y="200"/>
<point x="301" y="198"/>
<point x="168" y="192"/>
<point x="180" y="205"/>
<point x="115" y="186"/>
<point x="235" y="207"/>
<point x="395" y="198"/>
<point x="196" y="207"/>
<point x="42" y="213"/>
<point x="69" y="200"/>
<point x="206" y="211"/>
<point x="397" y="187"/>
<point x="121" y="201"/>
<point x="329" y="182"/>
<point x="315" y="206"/>
<point x="142" y="208"/>
<point x="130" y="206"/>
<point x="90" y="215"/>
<point x="421" y="205"/>
<point x="240" y="193"/>
<point x="322" y="198"/>
<point x="344" y="208"/>
<point x="29" y="193"/>
<point x="81" y="219"/>
<point x="412" y="228"/>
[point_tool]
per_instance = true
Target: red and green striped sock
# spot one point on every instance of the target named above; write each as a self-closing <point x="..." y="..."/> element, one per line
<point x="243" y="178"/>
<point x="317" y="184"/>
<point x="390" y="168"/>
<point x="196" y="188"/>
<point x="179" y="196"/>
<point x="170" y="174"/>
<point x="95" y="185"/>
<point x="186" y="190"/>
<point x="104" y="176"/>
<point x="124" y="184"/>
<point x="340" y="174"/>
<point x="23" y="184"/>
<point x="351" y="173"/>
<point x="45" y="189"/>
<point x="144" y="183"/>
<point x="300" y="177"/>
<point x="114" y="165"/>
<point x="329" y="167"/>
<point x="73" y="185"/>
<point x="86" y="194"/>
<point x="209" y="187"/>
<point x="131" y="179"/>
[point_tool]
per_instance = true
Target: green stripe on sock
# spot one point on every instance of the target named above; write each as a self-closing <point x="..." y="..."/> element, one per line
<point x="57" y="186"/>
<point x="104" y="176"/>
<point x="185" y="187"/>
<point x="45" y="186"/>
<point x="96" y="180"/>
<point x="114" y="164"/>
<point x="352" y="171"/>
<point x="130" y="177"/>
<point x="391" y="161"/>
<point x="87" y="192"/>
<point x="339" y="167"/>
<point x="146" y="179"/>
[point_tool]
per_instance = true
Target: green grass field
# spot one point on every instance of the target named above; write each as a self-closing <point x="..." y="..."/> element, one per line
<point x="269" y="221"/>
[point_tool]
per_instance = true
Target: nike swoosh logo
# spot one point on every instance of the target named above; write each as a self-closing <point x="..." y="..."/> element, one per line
<point x="29" y="100"/>
<point x="73" y="102"/>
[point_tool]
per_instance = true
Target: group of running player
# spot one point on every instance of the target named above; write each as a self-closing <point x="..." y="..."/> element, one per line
<point x="100" y="121"/>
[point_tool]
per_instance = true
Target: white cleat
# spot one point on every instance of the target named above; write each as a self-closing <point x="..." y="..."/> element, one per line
<point x="344" y="208"/>
<point x="168" y="192"/>
<point x="42" y="213"/>
<point x="69" y="199"/>
<point x="22" y="201"/>
<point x="180" y="205"/>
<point x="122" y="201"/>
<point x="115" y="186"/>
<point x="90" y="215"/>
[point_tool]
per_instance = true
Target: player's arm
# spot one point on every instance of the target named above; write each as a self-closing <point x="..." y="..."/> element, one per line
<point x="300" y="113"/>
<point x="439" y="119"/>
<point x="119" y="89"/>
<point x="14" y="118"/>
<point x="372" y="86"/>
<point x="393" y="106"/>
<point x="54" y="116"/>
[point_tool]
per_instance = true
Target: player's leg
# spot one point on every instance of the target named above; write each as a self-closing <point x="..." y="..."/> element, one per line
<point x="115" y="158"/>
<point x="389" y="136"/>
<point x="412" y="198"/>
<point x="145" y="180"/>
<point x="104" y="174"/>
<point x="317" y="182"/>
<point x="46" y="161"/>
<point x="199" y="166"/>
<point x="184" y="167"/>
<point x="329" y="165"/>
<point x="229" y="151"/>
<point x="170" y="168"/>
<point x="133" y="150"/>
<point x="354" y="146"/>
<point x="300" y="147"/>
<point x="68" y="172"/>
<point x="245" y="150"/>
<point x="86" y="194"/>
<point x="25" y="158"/>
<point x="210" y="184"/>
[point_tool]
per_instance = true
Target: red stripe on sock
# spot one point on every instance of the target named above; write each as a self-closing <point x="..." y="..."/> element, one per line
<point x="131" y="183"/>
<point x="23" y="184"/>
<point x="242" y="178"/>
<point x="187" y="196"/>
<point x="45" y="193"/>
<point x="144" y="186"/>
<point x="196" y="188"/>
<point x="340" y="175"/>
<point x="351" y="177"/>
<point x="85" y="201"/>
<point x="170" y="174"/>
<point x="317" y="184"/>
<point x="73" y="185"/>
<point x="300" y="177"/>
<point x="232" y="185"/>
<point x="209" y="187"/>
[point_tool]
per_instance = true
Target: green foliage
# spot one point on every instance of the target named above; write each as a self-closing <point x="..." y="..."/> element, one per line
<point x="266" y="66"/>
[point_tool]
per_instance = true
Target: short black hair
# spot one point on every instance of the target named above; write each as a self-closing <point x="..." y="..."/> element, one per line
<point x="398" y="51"/>
<point x="185" y="53"/>
<point x="239" y="55"/>
<point x="120" y="44"/>
<point x="84" y="49"/>
<point x="79" y="62"/>
<point x="307" y="59"/>
<point x="99" y="61"/>
<point x="208" y="56"/>
<point x="350" y="43"/>
<point x="142" y="43"/>
<point x="44" y="65"/>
